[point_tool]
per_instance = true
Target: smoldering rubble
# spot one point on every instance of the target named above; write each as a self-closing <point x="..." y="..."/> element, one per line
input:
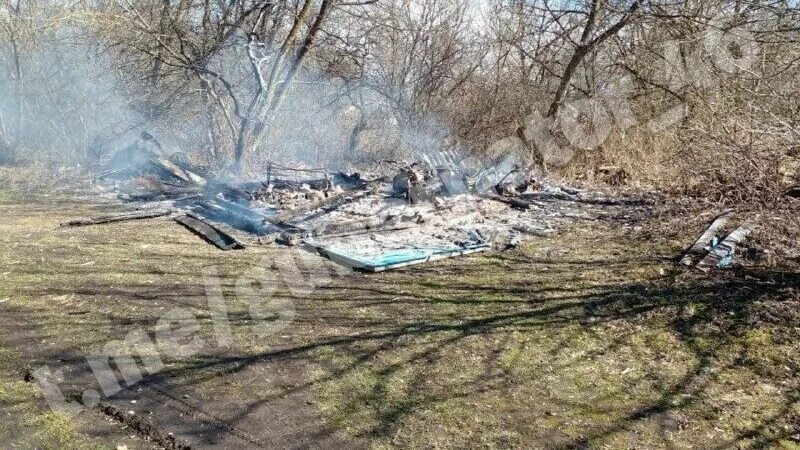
<point x="388" y="214"/>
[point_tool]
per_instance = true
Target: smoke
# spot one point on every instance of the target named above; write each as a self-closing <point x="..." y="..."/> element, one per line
<point x="327" y="122"/>
<point x="60" y="100"/>
<point x="72" y="97"/>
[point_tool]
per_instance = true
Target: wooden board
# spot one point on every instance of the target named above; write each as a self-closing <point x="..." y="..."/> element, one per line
<point x="131" y="215"/>
<point x="511" y="201"/>
<point x="210" y="233"/>
<point x="698" y="248"/>
<point x="237" y="217"/>
<point x="177" y="171"/>
<point x="727" y="246"/>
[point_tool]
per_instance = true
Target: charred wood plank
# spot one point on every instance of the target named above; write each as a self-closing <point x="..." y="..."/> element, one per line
<point x="698" y="248"/>
<point x="366" y="225"/>
<point x="578" y="198"/>
<point x="208" y="232"/>
<point x="157" y="197"/>
<point x="241" y="210"/>
<point x="166" y="188"/>
<point x="512" y="201"/>
<point x="133" y="215"/>
<point x="533" y="231"/>
<point x="233" y="214"/>
<point x="178" y="172"/>
<point x="727" y="246"/>
<point x="328" y="202"/>
<point x="318" y="185"/>
<point x="349" y="226"/>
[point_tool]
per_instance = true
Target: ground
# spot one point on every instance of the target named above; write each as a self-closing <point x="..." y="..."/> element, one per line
<point x="592" y="338"/>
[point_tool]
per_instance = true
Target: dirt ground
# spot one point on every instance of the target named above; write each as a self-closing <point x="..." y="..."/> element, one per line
<point x="587" y="339"/>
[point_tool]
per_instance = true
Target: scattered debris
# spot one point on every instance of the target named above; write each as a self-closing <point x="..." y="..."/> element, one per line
<point x="267" y="240"/>
<point x="534" y="231"/>
<point x="387" y="215"/>
<point x="232" y="214"/>
<point x="330" y="201"/>
<point x="580" y="197"/>
<point x="514" y="183"/>
<point x="418" y="184"/>
<point x="369" y="224"/>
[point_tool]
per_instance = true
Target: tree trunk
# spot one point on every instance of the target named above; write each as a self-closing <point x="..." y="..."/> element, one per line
<point x="18" y="92"/>
<point x="355" y="135"/>
<point x="240" y="150"/>
<point x="253" y="130"/>
<point x="585" y="46"/>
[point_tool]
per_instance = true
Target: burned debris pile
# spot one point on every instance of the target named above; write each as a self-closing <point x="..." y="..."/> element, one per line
<point x="390" y="214"/>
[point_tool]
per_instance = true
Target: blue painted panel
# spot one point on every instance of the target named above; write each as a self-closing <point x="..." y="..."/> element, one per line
<point x="407" y="255"/>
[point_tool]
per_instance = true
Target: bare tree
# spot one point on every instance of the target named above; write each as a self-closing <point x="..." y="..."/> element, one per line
<point x="274" y="37"/>
<point x="13" y="27"/>
<point x="589" y="40"/>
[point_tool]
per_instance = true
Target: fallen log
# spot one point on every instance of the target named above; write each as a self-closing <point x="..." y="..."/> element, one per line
<point x="133" y="215"/>
<point x="208" y="232"/>
<point x="697" y="249"/>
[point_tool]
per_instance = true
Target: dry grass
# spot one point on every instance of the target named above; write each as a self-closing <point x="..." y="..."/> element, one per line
<point x="590" y="347"/>
<point x="587" y="339"/>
